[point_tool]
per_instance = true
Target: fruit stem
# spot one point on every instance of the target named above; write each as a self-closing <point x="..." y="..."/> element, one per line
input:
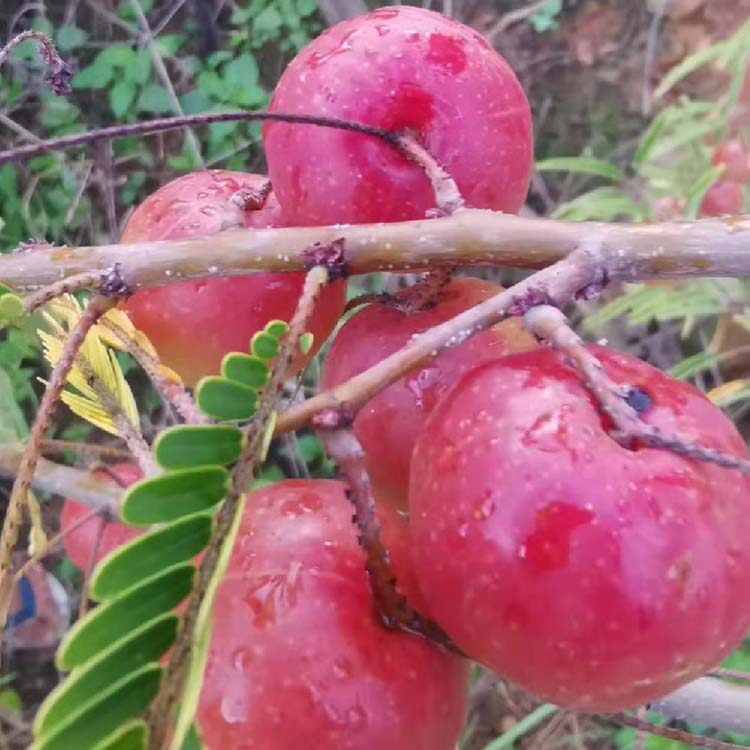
<point x="391" y="606"/>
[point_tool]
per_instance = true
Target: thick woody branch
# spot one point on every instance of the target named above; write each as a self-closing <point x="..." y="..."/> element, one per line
<point x="470" y="237"/>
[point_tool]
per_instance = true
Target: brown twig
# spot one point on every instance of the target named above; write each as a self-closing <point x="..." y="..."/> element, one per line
<point x="391" y="605"/>
<point x="558" y="284"/>
<point x="92" y="449"/>
<point x="550" y="324"/>
<point x="59" y="72"/>
<point x="77" y="283"/>
<point x="162" y="124"/>
<point x="242" y="474"/>
<point x="97" y="306"/>
<point x="691" y="740"/>
<point x="173" y="392"/>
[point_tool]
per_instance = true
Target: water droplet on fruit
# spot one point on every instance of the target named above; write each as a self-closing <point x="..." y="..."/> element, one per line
<point x="234" y="708"/>
<point x="342" y="669"/>
<point x="356" y="718"/>
<point x="241" y="658"/>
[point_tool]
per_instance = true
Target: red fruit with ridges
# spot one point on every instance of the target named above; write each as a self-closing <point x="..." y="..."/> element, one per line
<point x="390" y="422"/>
<point x="297" y="656"/>
<point x="593" y="575"/>
<point x="402" y="69"/>
<point x="79" y="543"/>
<point x="193" y="324"/>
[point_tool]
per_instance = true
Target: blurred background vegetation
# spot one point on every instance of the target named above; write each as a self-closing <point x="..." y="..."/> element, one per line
<point x="629" y="101"/>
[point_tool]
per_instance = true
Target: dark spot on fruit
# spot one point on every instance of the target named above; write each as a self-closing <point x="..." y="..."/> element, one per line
<point x="638" y="399"/>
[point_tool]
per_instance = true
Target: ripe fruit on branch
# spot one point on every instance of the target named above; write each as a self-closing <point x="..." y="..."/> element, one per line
<point x="79" y="543"/>
<point x="594" y="575"/>
<point x="723" y="198"/>
<point x="389" y="424"/>
<point x="194" y="323"/>
<point x="297" y="656"/>
<point x="402" y="69"/>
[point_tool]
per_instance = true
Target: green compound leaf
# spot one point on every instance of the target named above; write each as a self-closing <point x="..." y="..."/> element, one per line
<point x="149" y="554"/>
<point x="189" y="446"/>
<point x="122" y="615"/>
<point x="226" y="399"/>
<point x="264" y="345"/>
<point x="131" y="736"/>
<point x="277" y="328"/>
<point x="145" y="645"/>
<point x="126" y="699"/>
<point x="170" y="496"/>
<point x="245" y="369"/>
<point x="306" y="341"/>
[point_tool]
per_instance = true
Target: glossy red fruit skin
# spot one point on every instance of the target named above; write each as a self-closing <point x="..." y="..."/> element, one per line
<point x="735" y="156"/>
<point x="389" y="423"/>
<point x="297" y="658"/>
<point x="723" y="199"/>
<point x="399" y="68"/>
<point x="597" y="577"/>
<point x="80" y="542"/>
<point x="193" y="324"/>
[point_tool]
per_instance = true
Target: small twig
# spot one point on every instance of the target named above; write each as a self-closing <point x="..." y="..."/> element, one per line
<point x="83" y="604"/>
<point x="160" y="125"/>
<point x="691" y="740"/>
<point x="161" y="71"/>
<point x="173" y="392"/>
<point x="94" y="449"/>
<point x="391" y="605"/>
<point x="97" y="306"/>
<point x="730" y="674"/>
<point x="59" y="72"/>
<point x="38" y="555"/>
<point x="78" y="282"/>
<point x="515" y="16"/>
<point x="549" y="323"/>
<point x="242" y="474"/>
<point x="447" y="195"/>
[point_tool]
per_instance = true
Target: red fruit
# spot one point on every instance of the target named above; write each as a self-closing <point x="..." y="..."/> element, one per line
<point x="723" y="199"/>
<point x="389" y="424"/>
<point x="598" y="577"/>
<point x="403" y="69"/>
<point x="735" y="156"/>
<point x="297" y="656"/>
<point x="668" y="208"/>
<point x="80" y="542"/>
<point x="193" y="324"/>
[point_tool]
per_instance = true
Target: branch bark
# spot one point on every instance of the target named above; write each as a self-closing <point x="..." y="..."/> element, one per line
<point x="469" y="237"/>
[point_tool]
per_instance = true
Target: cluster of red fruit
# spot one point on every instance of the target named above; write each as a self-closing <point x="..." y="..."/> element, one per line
<point x="595" y="575"/>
